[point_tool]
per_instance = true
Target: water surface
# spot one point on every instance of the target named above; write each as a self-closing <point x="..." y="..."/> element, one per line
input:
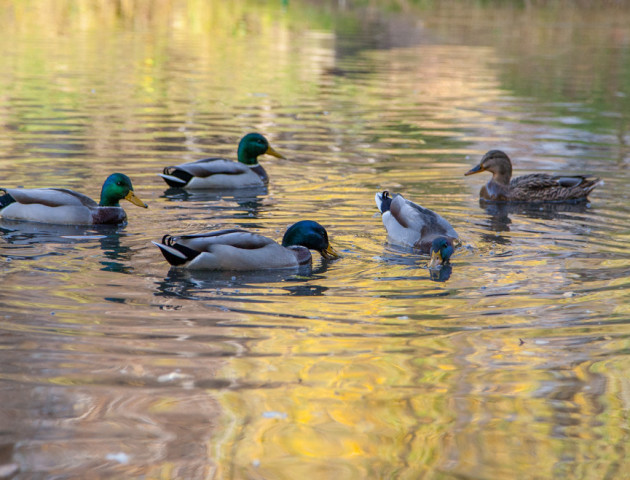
<point x="510" y="364"/>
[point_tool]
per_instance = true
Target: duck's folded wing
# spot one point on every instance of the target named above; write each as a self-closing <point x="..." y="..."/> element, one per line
<point x="539" y="181"/>
<point x="413" y="216"/>
<point x="576" y="181"/>
<point x="233" y="237"/>
<point x="212" y="166"/>
<point x="535" y="181"/>
<point x="51" y="197"/>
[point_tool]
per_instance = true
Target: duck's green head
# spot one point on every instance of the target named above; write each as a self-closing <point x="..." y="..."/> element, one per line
<point x="116" y="187"/>
<point x="251" y="146"/>
<point x="311" y="235"/>
<point x="441" y="251"/>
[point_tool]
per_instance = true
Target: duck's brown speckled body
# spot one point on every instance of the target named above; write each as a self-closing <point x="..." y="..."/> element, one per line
<point x="537" y="187"/>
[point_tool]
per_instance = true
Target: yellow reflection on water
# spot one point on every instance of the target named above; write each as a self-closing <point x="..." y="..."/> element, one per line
<point x="366" y="369"/>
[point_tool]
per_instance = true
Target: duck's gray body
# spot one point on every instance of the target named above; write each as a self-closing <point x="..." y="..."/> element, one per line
<point x="231" y="249"/>
<point x="410" y="225"/>
<point x="58" y="206"/>
<point x="215" y="173"/>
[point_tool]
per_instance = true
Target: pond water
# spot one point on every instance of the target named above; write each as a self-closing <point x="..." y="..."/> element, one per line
<point x="513" y="363"/>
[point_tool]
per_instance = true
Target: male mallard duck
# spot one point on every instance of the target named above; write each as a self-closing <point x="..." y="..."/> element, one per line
<point x="66" y="207"/>
<point x="215" y="173"/>
<point x="236" y="249"/>
<point x="537" y="187"/>
<point x="411" y="225"/>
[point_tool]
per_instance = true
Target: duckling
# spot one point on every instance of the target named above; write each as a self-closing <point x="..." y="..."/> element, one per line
<point x="236" y="249"/>
<point x="61" y="206"/>
<point x="219" y="173"/>
<point x="537" y="187"/>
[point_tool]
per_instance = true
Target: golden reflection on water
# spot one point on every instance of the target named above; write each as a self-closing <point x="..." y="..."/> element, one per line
<point x="513" y="366"/>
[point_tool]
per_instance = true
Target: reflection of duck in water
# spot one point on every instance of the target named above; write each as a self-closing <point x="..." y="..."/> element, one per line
<point x="220" y="173"/>
<point x="537" y="187"/>
<point x="543" y="211"/>
<point x="60" y="206"/>
<point x="191" y="284"/>
<point x="32" y="233"/>
<point x="411" y="225"/>
<point x="117" y="255"/>
<point x="236" y="249"/>
<point x="499" y="220"/>
<point x="248" y="200"/>
<point x="441" y="274"/>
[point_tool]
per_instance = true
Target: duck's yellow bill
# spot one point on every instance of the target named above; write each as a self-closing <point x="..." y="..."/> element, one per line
<point x="330" y="253"/>
<point x="436" y="259"/>
<point x="133" y="198"/>
<point x="272" y="152"/>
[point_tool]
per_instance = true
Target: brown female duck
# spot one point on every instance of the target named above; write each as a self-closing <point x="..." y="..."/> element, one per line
<point x="537" y="187"/>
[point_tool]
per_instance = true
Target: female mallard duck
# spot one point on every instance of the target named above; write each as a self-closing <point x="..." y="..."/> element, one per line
<point x="236" y="249"/>
<point x="537" y="187"/>
<point x="216" y="173"/>
<point x="411" y="225"/>
<point x="67" y="207"/>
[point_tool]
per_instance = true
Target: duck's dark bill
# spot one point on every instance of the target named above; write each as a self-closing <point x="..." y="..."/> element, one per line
<point x="476" y="169"/>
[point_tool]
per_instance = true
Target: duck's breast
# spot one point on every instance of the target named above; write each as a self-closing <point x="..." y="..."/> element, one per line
<point x="108" y="215"/>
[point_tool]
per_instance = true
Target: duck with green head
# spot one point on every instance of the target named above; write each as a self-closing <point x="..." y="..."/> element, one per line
<point x="220" y="173"/>
<point x="61" y="206"/>
<point x="236" y="249"/>
<point x="410" y="225"/>
<point x="537" y="187"/>
<point x="441" y="251"/>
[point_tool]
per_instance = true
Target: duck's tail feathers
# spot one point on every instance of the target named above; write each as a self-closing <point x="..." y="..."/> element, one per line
<point x="591" y="183"/>
<point x="5" y="199"/>
<point x="174" y="253"/>
<point x="383" y="201"/>
<point x="175" y="178"/>
<point x="572" y="188"/>
<point x="581" y="190"/>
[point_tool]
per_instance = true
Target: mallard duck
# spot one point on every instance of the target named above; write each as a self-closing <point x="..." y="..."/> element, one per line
<point x="61" y="206"/>
<point x="410" y="225"/>
<point x="217" y="173"/>
<point x="537" y="187"/>
<point x="236" y="249"/>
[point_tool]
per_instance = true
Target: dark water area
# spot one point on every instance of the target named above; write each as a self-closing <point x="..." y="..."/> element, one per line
<point x="511" y="363"/>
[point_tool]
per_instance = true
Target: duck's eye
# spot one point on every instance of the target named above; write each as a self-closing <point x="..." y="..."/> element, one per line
<point x="119" y="183"/>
